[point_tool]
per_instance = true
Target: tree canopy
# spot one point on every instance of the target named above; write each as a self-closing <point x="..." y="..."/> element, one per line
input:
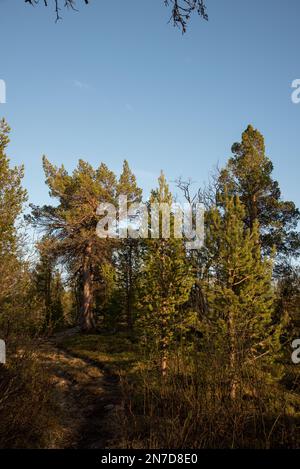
<point x="248" y="174"/>
<point x="212" y="326"/>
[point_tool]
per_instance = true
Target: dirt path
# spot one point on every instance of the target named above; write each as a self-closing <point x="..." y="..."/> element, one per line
<point x="88" y="396"/>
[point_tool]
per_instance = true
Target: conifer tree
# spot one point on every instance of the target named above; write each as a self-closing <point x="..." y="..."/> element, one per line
<point x="72" y="225"/>
<point x="248" y="174"/>
<point x="288" y="302"/>
<point x="12" y="195"/>
<point x="12" y="199"/>
<point x="239" y="292"/>
<point x="49" y="286"/>
<point x="166" y="283"/>
<point x="129" y="249"/>
<point x="43" y="276"/>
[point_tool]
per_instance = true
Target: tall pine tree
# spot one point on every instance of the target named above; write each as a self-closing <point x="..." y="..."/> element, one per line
<point x="248" y="174"/>
<point x="12" y="199"/>
<point x="165" y="283"/>
<point x="72" y="226"/>
<point x="239" y="292"/>
<point x="129" y="249"/>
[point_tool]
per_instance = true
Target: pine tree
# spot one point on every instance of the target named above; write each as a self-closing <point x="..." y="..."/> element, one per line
<point x="12" y="199"/>
<point x="239" y="291"/>
<point x="12" y="195"/>
<point x="165" y="284"/>
<point x="43" y="276"/>
<point x="248" y="174"/>
<point x="288" y="302"/>
<point x="72" y="226"/>
<point x="49" y="287"/>
<point x="129" y="249"/>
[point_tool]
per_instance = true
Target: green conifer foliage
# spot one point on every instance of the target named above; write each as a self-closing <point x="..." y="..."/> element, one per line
<point x="12" y="199"/>
<point x="71" y="224"/>
<point x="249" y="175"/>
<point x="49" y="287"/>
<point x="129" y="249"/>
<point x="165" y="285"/>
<point x="239" y="292"/>
<point x="12" y="195"/>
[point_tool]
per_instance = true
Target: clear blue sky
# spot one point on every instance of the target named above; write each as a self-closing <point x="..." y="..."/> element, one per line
<point x="116" y="81"/>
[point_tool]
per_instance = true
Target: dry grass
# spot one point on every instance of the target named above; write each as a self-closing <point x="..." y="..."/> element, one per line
<point x="29" y="415"/>
<point x="192" y="408"/>
<point x="48" y="397"/>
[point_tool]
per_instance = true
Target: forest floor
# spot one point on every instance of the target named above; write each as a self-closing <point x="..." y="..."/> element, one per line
<point x="85" y="371"/>
<point x="105" y="396"/>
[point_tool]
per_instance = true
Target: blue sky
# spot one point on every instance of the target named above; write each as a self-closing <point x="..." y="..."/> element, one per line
<point x="117" y="81"/>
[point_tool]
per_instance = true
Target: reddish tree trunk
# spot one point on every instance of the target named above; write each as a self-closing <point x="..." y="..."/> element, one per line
<point x="233" y="362"/>
<point x="87" y="320"/>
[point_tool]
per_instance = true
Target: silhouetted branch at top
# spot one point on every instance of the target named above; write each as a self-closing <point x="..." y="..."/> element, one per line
<point x="57" y="5"/>
<point x="181" y="10"/>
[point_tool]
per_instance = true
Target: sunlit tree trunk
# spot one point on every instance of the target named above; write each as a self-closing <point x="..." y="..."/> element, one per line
<point x="164" y="361"/>
<point x="87" y="315"/>
<point x="233" y="356"/>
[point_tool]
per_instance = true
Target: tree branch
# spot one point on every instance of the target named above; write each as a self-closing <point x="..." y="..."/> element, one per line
<point x="67" y="4"/>
<point x="181" y="10"/>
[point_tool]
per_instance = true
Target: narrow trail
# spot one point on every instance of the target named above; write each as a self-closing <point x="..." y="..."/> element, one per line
<point x="87" y="394"/>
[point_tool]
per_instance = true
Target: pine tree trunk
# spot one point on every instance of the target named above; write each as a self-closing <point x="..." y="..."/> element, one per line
<point x="128" y="311"/>
<point x="164" y="365"/>
<point x="48" y="299"/>
<point x="87" y="319"/>
<point x="164" y="356"/>
<point x="129" y="292"/>
<point x="232" y="358"/>
<point x="253" y="211"/>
